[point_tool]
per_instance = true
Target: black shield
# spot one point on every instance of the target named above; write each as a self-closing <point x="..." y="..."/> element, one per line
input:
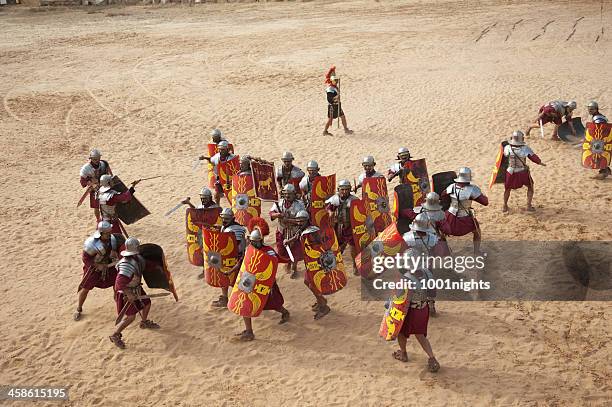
<point x="403" y="200"/>
<point x="565" y="133"/>
<point x="441" y="181"/>
<point x="129" y="212"/>
<point x="156" y="273"/>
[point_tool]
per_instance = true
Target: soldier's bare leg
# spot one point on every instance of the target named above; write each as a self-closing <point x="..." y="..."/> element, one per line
<point x="97" y="214"/>
<point x="477" y="238"/>
<point x="401" y="353"/>
<point x="284" y="315"/>
<point x="530" y="198"/>
<point x="82" y="297"/>
<point x="116" y="336"/>
<point x="146" y="323"/>
<point x="327" y="125"/>
<point x="293" y="269"/>
<point x="432" y="363"/>
<point x="554" y="134"/>
<point x="247" y="334"/>
<point x="532" y="126"/>
<point x="346" y="129"/>
<point x="217" y="196"/>
<point x="354" y="254"/>
<point x="506" y="197"/>
<point x="223" y="298"/>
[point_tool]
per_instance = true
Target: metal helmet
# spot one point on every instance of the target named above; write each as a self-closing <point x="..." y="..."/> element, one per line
<point x="420" y="223"/>
<point x="216" y="133"/>
<point x="131" y="247"/>
<point x="592" y="104"/>
<point x="287" y="156"/>
<point x="344" y="183"/>
<point x="288" y="189"/>
<point x="571" y="105"/>
<point x="403" y="151"/>
<point x="302" y="214"/>
<point x="518" y="138"/>
<point x="245" y="161"/>
<point x="255" y="235"/>
<point x="206" y="192"/>
<point x="312" y="165"/>
<point x="368" y="160"/>
<point x="223" y="145"/>
<point x="600" y="118"/>
<point x="103" y="227"/>
<point x="105" y="180"/>
<point x="465" y="175"/>
<point x="227" y="213"/>
<point x="432" y="202"/>
<point x="95" y="153"/>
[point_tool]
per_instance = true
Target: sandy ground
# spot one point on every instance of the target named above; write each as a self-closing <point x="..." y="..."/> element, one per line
<point x="146" y="85"/>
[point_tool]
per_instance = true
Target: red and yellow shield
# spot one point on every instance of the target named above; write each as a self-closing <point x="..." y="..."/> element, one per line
<point x="212" y="150"/>
<point x="395" y="314"/>
<point x="418" y="178"/>
<point x="323" y="261"/>
<point x="220" y="252"/>
<point x="597" y="147"/>
<point x="255" y="280"/>
<point x="374" y="193"/>
<point x="244" y="202"/>
<point x="498" y="174"/>
<point x="322" y="188"/>
<point x="362" y="225"/>
<point x="195" y="220"/>
<point x="387" y="244"/>
<point x="227" y="169"/>
<point x="263" y="180"/>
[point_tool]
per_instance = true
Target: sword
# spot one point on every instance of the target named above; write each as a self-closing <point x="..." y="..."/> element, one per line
<point x="171" y="211"/>
<point x="87" y="191"/>
<point x="145" y="179"/>
<point x="289" y="253"/>
<point x="196" y="164"/>
<point x="541" y="129"/>
<point x="143" y="297"/>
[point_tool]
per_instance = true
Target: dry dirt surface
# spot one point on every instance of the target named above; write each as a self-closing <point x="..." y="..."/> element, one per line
<point x="146" y="85"/>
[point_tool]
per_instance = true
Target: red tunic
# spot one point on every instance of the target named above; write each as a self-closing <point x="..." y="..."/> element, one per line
<point x="416" y="321"/>
<point x="550" y="115"/>
<point x="93" y="202"/>
<point x="345" y="236"/>
<point x="118" y="198"/>
<point x="93" y="278"/>
<point x="520" y="179"/>
<point x="120" y="284"/>
<point x="460" y="226"/>
<point x="275" y="299"/>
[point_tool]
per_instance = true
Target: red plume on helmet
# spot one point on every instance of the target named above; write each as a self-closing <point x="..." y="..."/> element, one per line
<point x="332" y="71"/>
<point x="259" y="223"/>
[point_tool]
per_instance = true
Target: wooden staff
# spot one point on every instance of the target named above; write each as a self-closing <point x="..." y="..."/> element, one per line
<point x="339" y="103"/>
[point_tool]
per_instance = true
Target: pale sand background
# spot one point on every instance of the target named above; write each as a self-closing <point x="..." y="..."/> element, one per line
<point x="146" y="85"/>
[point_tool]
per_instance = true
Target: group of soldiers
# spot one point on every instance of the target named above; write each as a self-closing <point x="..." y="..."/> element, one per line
<point x="317" y="220"/>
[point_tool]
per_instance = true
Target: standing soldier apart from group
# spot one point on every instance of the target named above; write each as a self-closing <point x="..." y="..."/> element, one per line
<point x="597" y="117"/>
<point x="518" y="174"/>
<point x="334" y="106"/>
<point x="554" y="112"/>
<point x="90" y="177"/>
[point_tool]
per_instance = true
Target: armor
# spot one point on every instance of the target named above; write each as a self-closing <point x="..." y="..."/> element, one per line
<point x="461" y="198"/>
<point x="105" y="182"/>
<point x="216" y="159"/>
<point x="368" y="160"/>
<point x="432" y="202"/>
<point x="107" y="212"/>
<point x="289" y="189"/>
<point x="240" y="232"/>
<point x="403" y="152"/>
<point x="295" y="173"/>
<point x="206" y="192"/>
<point x="287" y="156"/>
<point x="600" y="118"/>
<point x="363" y="176"/>
<point x="433" y="215"/>
<point x="517" y="157"/>
<point x="227" y="213"/>
<point x="420" y="244"/>
<point x="420" y="224"/>
<point x="291" y="212"/>
<point x="592" y="105"/>
<point x="132" y="267"/>
<point x="255" y="235"/>
<point x="216" y="133"/>
<point x="93" y="246"/>
<point x="342" y="209"/>
<point x="465" y="175"/>
<point x="103" y="227"/>
<point x="312" y="165"/>
<point x="303" y="214"/>
<point x="306" y="185"/>
<point x="344" y="183"/>
<point x="223" y="145"/>
<point x="89" y="171"/>
<point x="131" y="247"/>
<point x="571" y="105"/>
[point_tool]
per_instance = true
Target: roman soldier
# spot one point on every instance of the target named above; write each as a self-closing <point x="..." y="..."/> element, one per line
<point x="288" y="173"/>
<point x="275" y="299"/>
<point x="334" y="106"/>
<point x="339" y="206"/>
<point x="401" y="167"/>
<point x="554" y="112"/>
<point x="459" y="219"/>
<point x="368" y="164"/>
<point x="217" y="136"/>
<point x="100" y="254"/>
<point x="108" y="198"/>
<point x="129" y="292"/>
<point x="597" y="117"/>
<point x="222" y="156"/>
<point x="90" y="177"/>
<point x="206" y="198"/>
<point x="285" y="211"/>
<point x="239" y="231"/>
<point x="518" y="174"/>
<point x="312" y="169"/>
<point x="421" y="240"/>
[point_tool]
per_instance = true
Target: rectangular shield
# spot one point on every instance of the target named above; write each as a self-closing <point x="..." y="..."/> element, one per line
<point x="387" y="244"/>
<point x="131" y="211"/>
<point x="322" y="188"/>
<point x="565" y="133"/>
<point x="227" y="169"/>
<point x="374" y="193"/>
<point x="254" y="283"/>
<point x="597" y="146"/>
<point x="220" y="252"/>
<point x="195" y="220"/>
<point x="498" y="174"/>
<point x="418" y="179"/>
<point x="212" y="150"/>
<point x="244" y="202"/>
<point x="263" y="179"/>
<point x="362" y="226"/>
<point x="395" y="314"/>
<point x="323" y="261"/>
<point x="441" y="181"/>
<point x="402" y="199"/>
<point x="156" y="273"/>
